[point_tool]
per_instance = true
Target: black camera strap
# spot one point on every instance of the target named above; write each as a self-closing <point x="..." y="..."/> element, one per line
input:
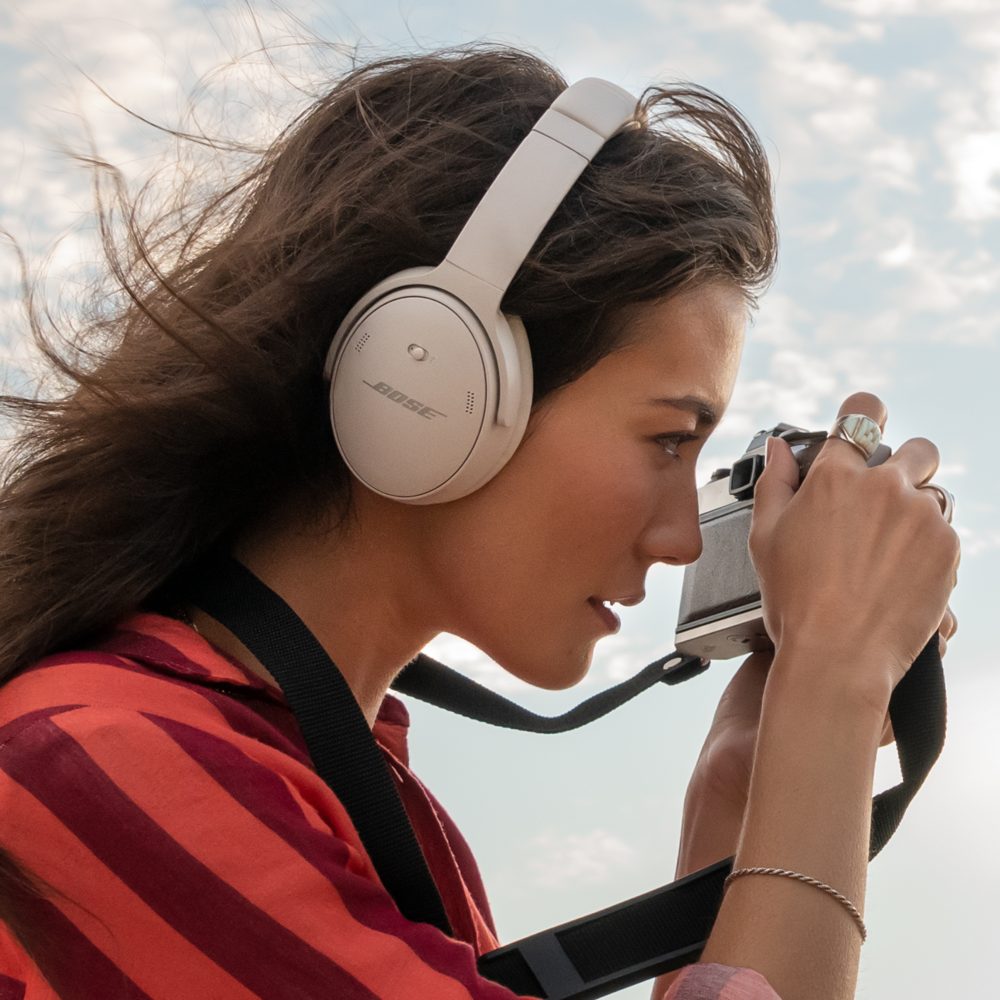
<point x="590" y="957"/>
<point x="437" y="684"/>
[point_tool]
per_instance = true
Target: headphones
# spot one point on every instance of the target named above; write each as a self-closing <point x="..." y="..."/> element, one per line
<point x="430" y="383"/>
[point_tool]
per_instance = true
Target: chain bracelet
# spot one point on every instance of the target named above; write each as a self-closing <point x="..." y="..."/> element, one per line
<point x="799" y="877"/>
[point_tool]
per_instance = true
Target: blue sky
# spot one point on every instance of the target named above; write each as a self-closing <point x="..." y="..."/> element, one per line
<point x="882" y="121"/>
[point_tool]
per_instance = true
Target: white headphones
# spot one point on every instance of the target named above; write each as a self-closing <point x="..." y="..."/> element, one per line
<point x="430" y="383"/>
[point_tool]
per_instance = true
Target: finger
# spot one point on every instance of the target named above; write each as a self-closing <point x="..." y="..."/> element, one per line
<point x="888" y="736"/>
<point x="775" y="487"/>
<point x="917" y="459"/>
<point x="947" y="628"/>
<point x="741" y="700"/>
<point x="949" y="624"/>
<point x="836" y="449"/>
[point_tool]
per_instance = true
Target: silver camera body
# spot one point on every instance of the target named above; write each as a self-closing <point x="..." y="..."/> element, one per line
<point x="720" y="612"/>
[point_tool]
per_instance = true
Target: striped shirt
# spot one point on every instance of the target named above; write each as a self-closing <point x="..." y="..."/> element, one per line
<point x="166" y="798"/>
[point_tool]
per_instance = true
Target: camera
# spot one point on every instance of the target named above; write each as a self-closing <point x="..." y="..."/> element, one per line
<point x="720" y="612"/>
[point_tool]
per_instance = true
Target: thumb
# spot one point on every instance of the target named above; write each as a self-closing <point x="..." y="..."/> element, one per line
<point x="776" y="486"/>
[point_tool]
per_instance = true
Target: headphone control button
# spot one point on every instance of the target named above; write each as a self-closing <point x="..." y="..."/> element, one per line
<point x="417" y="352"/>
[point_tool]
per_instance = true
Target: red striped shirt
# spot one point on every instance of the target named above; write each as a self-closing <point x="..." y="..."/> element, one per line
<point x="165" y="795"/>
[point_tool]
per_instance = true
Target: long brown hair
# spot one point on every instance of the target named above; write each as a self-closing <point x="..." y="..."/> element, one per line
<point x="195" y="403"/>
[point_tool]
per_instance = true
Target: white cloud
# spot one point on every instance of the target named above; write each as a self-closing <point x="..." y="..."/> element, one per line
<point x="806" y="387"/>
<point x="623" y="655"/>
<point x="824" y="111"/>
<point x="472" y="662"/>
<point x="967" y="131"/>
<point x="944" y="282"/>
<point x="952" y="469"/>
<point x="833" y="118"/>
<point x="148" y="60"/>
<point x="893" y="164"/>
<point x="560" y="860"/>
<point x="779" y="321"/>
<point x="977" y="541"/>
<point x="901" y="8"/>
<point x="974" y="160"/>
<point x="898" y="255"/>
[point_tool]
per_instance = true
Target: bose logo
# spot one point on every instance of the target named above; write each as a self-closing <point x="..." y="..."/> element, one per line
<point x="405" y="401"/>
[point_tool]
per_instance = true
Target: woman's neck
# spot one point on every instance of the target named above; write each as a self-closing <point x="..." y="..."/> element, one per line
<point x="351" y="589"/>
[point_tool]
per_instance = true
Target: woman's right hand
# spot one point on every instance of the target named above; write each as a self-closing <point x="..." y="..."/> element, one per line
<point x="857" y="557"/>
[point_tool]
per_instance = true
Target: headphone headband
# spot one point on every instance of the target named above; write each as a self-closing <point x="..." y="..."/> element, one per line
<point x="503" y="227"/>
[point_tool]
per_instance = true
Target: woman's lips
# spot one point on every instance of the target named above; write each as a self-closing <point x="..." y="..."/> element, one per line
<point x="610" y="620"/>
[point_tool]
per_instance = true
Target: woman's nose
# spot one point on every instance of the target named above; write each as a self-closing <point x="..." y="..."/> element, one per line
<point x="675" y="536"/>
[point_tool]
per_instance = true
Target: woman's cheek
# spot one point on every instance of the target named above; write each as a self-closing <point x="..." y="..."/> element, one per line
<point x="630" y="501"/>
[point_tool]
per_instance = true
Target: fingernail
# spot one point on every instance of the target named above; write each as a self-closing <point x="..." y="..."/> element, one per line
<point x="768" y="448"/>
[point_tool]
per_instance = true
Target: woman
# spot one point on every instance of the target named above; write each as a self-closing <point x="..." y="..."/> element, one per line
<point x="166" y="833"/>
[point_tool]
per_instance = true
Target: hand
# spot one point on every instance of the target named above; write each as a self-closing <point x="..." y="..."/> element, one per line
<point x="947" y="628"/>
<point x="837" y="561"/>
<point x="720" y="782"/>
<point x="717" y="793"/>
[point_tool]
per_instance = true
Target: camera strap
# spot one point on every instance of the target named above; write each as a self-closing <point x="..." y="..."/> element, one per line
<point x="589" y="957"/>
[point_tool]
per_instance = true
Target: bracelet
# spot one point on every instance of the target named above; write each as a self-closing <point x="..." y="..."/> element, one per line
<point x="828" y="889"/>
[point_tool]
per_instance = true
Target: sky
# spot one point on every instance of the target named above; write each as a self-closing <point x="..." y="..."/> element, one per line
<point x="881" y="119"/>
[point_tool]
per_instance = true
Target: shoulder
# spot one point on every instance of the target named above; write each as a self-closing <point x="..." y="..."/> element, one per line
<point x="152" y="724"/>
<point x="147" y="824"/>
<point x="193" y="860"/>
<point x="165" y="799"/>
<point x="149" y="665"/>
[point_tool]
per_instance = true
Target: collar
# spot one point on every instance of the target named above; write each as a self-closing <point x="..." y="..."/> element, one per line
<point x="170" y="646"/>
<point x="174" y="647"/>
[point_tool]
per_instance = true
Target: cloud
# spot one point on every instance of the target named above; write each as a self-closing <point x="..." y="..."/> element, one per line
<point x="560" y="860"/>
<point x="872" y="149"/>
<point x="623" y="655"/>
<point x="780" y="321"/>
<point x="823" y="112"/>
<point x="954" y="283"/>
<point x="977" y="541"/>
<point x="952" y="469"/>
<point x="472" y="662"/>
<point x="884" y="9"/>
<point x="968" y="135"/>
<point x="893" y="163"/>
<point x="150" y="61"/>
<point x="806" y="387"/>
<point x="974" y="162"/>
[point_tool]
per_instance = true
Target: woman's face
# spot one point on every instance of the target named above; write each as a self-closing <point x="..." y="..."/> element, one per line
<point x="602" y="487"/>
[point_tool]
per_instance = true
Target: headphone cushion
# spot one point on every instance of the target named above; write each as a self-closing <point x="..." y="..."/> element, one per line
<point x="413" y="396"/>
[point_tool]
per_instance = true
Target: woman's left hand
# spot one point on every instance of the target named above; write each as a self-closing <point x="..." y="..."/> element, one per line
<point x="717" y="792"/>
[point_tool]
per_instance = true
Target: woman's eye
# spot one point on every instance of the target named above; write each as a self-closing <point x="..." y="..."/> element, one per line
<point x="670" y="443"/>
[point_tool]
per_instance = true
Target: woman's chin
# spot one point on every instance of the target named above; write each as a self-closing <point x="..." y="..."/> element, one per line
<point x="549" y="674"/>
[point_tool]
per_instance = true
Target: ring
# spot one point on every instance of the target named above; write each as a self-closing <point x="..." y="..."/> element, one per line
<point x="945" y="498"/>
<point x="860" y="431"/>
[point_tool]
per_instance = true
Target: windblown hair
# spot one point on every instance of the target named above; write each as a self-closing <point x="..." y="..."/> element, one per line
<point x="198" y="406"/>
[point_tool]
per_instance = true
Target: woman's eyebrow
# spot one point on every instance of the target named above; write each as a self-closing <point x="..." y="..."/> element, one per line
<point x="693" y="404"/>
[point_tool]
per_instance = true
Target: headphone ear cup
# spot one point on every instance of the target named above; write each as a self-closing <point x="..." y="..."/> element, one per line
<point x="502" y="437"/>
<point x="425" y="407"/>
